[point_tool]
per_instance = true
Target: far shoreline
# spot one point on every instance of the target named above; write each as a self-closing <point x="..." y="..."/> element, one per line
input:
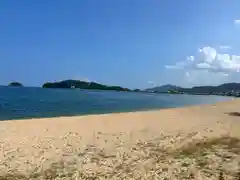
<point x="102" y="90"/>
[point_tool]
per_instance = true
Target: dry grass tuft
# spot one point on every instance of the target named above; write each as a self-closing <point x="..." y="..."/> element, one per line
<point x="225" y="142"/>
<point x="234" y="113"/>
<point x="148" y="160"/>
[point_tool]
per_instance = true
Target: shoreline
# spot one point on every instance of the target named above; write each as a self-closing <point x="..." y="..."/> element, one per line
<point x="93" y="146"/>
<point x="118" y="113"/>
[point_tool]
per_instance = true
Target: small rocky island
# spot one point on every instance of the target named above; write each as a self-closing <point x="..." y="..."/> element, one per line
<point x="15" y="84"/>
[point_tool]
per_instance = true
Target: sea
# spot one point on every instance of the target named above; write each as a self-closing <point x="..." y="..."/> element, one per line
<point x="31" y="102"/>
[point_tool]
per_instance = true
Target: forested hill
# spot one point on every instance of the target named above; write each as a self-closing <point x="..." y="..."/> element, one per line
<point x="82" y="85"/>
<point x="163" y="88"/>
<point x="227" y="87"/>
<point x="223" y="88"/>
<point x="16" y="84"/>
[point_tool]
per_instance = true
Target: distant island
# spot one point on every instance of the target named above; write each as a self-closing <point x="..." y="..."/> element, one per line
<point x="227" y="89"/>
<point x="163" y="88"/>
<point x="15" y="84"/>
<point x="76" y="84"/>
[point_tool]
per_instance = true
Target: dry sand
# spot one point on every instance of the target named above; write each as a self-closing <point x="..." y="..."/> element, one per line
<point x="199" y="142"/>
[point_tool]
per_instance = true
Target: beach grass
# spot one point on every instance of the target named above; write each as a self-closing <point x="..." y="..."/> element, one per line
<point x="212" y="158"/>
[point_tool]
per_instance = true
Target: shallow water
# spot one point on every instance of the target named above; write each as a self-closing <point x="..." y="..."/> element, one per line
<point x="19" y="103"/>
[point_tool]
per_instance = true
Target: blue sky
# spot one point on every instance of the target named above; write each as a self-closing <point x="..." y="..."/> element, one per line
<point x="132" y="43"/>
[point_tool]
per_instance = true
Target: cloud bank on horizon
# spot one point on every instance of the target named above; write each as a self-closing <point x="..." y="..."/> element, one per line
<point x="208" y="58"/>
<point x="208" y="66"/>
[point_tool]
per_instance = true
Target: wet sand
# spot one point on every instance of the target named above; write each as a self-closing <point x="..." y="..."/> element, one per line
<point x="198" y="142"/>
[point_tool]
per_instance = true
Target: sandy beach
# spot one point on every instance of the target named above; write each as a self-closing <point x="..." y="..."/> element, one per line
<point x="198" y="142"/>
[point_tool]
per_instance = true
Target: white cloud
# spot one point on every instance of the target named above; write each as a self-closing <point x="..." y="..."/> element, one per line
<point x="225" y="47"/>
<point x="237" y="21"/>
<point x="191" y="58"/>
<point x="85" y="80"/>
<point x="180" y="65"/>
<point x="203" y="65"/>
<point x="152" y="83"/>
<point x="80" y="78"/>
<point x="208" y="67"/>
<point x="207" y="58"/>
<point x="204" y="77"/>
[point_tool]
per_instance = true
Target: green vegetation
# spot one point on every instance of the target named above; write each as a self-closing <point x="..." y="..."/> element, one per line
<point x="228" y="89"/>
<point x="163" y="89"/>
<point x="82" y="85"/>
<point x="16" y="84"/>
<point x="174" y="92"/>
<point x="136" y="90"/>
<point x="224" y="88"/>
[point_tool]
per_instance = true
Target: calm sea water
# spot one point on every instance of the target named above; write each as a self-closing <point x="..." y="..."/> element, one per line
<point x="18" y="103"/>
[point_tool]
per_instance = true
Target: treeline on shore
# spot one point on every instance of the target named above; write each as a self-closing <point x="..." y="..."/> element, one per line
<point x="15" y="84"/>
<point x="67" y="84"/>
<point x="227" y="89"/>
<point x="77" y="84"/>
<point x="223" y="89"/>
